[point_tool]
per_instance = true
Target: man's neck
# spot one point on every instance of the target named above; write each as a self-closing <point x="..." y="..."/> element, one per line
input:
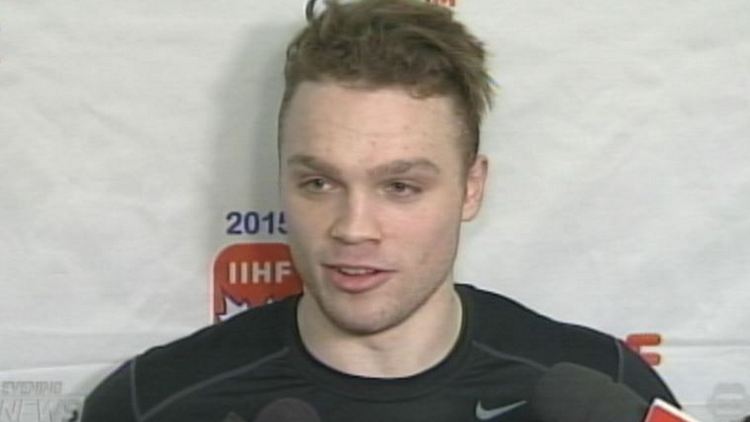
<point x="421" y="341"/>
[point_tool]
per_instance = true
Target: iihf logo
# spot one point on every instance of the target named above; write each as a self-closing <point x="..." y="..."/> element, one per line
<point x="247" y="275"/>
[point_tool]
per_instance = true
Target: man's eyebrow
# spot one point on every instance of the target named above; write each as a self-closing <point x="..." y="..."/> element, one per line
<point x="313" y="163"/>
<point x="392" y="168"/>
<point x="403" y="166"/>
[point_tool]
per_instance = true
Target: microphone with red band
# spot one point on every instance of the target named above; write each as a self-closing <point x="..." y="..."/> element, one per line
<point x="573" y="393"/>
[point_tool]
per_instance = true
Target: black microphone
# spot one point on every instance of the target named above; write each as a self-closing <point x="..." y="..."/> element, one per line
<point x="288" y="410"/>
<point x="573" y="393"/>
<point x="282" y="410"/>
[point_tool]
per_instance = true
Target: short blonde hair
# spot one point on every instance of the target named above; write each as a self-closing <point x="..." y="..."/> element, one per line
<point x="407" y="43"/>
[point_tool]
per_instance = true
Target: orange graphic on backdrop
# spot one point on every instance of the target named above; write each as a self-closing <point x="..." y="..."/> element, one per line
<point x="640" y="340"/>
<point x="247" y="275"/>
<point x="447" y="3"/>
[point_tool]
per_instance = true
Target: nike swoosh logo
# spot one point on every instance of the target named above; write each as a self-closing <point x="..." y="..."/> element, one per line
<point x="487" y="414"/>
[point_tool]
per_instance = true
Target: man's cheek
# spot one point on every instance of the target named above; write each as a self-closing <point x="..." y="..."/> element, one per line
<point x="300" y="223"/>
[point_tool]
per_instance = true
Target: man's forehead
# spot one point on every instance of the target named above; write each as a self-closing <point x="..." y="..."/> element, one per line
<point x="381" y="127"/>
<point x="371" y="111"/>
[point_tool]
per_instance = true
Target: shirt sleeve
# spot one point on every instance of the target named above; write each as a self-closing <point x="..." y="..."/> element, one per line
<point x="112" y="399"/>
<point x="641" y="377"/>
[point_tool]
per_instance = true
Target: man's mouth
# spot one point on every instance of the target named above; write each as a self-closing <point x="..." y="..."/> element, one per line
<point x="355" y="278"/>
<point x="356" y="270"/>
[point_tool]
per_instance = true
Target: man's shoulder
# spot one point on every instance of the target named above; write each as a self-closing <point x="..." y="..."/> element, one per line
<point x="511" y="328"/>
<point x="242" y="342"/>
<point x="247" y="338"/>
<point x="506" y="329"/>
<point x="255" y="332"/>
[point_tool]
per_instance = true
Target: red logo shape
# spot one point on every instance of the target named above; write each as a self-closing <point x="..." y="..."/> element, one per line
<point x="640" y="340"/>
<point x="661" y="411"/>
<point x="446" y="3"/>
<point x="246" y="275"/>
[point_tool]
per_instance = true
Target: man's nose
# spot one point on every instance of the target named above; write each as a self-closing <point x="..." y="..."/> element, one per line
<point x="356" y="220"/>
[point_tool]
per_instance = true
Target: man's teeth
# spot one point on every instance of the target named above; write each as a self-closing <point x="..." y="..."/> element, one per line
<point x="355" y="271"/>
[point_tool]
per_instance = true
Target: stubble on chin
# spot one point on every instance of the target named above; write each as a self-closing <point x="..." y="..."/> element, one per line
<point x="365" y="316"/>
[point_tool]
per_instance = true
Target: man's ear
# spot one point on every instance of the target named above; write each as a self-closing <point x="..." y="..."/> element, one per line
<point x="474" y="189"/>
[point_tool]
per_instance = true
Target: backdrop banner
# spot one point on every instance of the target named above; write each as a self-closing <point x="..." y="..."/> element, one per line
<point x="138" y="191"/>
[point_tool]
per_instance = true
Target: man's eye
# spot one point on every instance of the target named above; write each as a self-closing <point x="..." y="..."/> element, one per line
<point x="317" y="184"/>
<point x="403" y="189"/>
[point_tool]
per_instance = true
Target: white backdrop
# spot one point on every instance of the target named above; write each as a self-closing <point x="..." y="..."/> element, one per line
<point x="129" y="131"/>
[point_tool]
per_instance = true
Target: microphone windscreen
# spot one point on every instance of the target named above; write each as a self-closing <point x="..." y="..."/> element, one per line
<point x="574" y="393"/>
<point x="288" y="410"/>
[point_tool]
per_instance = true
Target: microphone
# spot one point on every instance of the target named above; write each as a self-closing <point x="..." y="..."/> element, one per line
<point x="288" y="410"/>
<point x="573" y="393"/>
<point x="282" y="410"/>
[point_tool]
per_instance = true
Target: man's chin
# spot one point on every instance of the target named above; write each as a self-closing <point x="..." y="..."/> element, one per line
<point x="358" y="320"/>
<point x="363" y="328"/>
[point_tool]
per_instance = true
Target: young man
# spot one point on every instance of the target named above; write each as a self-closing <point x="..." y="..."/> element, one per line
<point x="378" y="140"/>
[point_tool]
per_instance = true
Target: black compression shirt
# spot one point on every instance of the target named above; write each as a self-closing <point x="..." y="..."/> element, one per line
<point x="231" y="371"/>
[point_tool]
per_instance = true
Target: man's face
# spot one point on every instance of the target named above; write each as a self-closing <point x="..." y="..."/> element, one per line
<point x="375" y="190"/>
